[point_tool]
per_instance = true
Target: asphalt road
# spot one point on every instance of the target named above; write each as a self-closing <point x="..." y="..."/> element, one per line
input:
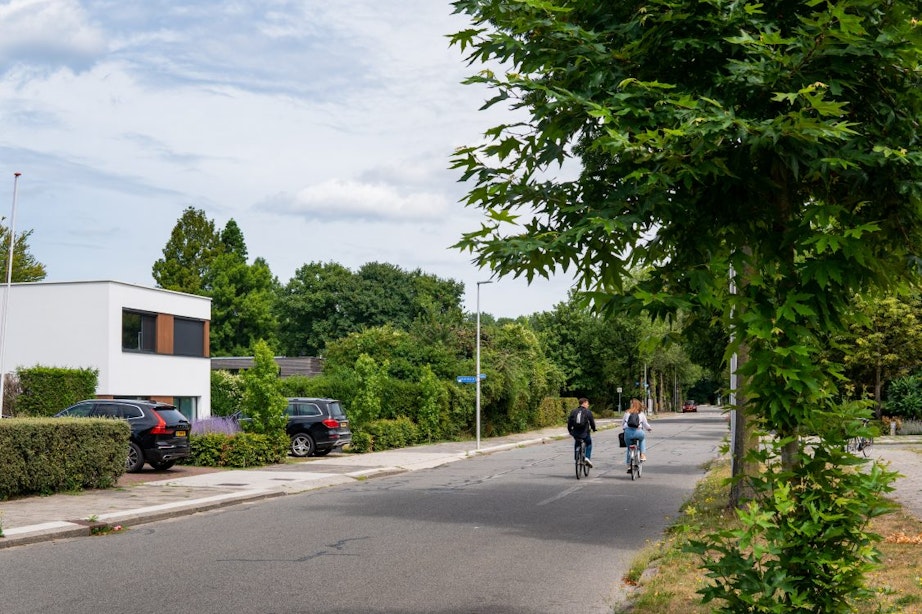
<point x="513" y="532"/>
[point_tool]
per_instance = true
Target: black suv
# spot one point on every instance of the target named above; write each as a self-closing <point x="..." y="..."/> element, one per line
<point x="316" y="426"/>
<point x="159" y="432"/>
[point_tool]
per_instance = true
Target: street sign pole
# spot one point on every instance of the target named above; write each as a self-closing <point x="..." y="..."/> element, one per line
<point x="479" y="283"/>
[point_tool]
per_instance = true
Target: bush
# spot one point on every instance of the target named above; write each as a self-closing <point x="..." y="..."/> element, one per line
<point x="361" y="442"/>
<point x="390" y="434"/>
<point x="44" y="456"/>
<point x="44" y="391"/>
<point x="262" y="400"/>
<point x="226" y="393"/>
<point x="553" y="411"/>
<point x="904" y="397"/>
<point x="207" y="450"/>
<point x="216" y="424"/>
<point x="238" y="450"/>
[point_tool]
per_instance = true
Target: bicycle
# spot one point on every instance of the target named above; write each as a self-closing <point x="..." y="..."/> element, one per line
<point x="636" y="469"/>
<point x="860" y="443"/>
<point x="582" y="467"/>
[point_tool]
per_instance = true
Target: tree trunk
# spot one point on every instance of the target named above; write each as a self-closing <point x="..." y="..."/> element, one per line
<point x="878" y="385"/>
<point x="744" y="439"/>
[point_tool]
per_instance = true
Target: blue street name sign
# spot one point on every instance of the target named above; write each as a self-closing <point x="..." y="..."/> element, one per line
<point x="469" y="379"/>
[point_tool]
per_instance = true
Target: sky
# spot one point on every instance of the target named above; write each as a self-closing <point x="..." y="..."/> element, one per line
<point x="323" y="128"/>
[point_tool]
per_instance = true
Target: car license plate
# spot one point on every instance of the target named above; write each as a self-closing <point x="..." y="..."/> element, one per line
<point x="180" y="433"/>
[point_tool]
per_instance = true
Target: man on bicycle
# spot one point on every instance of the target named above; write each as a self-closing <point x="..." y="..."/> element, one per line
<point x="578" y="425"/>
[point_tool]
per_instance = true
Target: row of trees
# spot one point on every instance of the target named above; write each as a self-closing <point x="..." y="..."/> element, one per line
<point x="325" y="302"/>
<point x="321" y="302"/>
<point x="764" y="162"/>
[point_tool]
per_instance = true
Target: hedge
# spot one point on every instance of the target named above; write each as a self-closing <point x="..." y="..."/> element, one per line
<point x="44" y="391"/>
<point x="48" y="455"/>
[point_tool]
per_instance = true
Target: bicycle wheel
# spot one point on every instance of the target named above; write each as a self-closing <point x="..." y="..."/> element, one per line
<point x="585" y="469"/>
<point x="579" y="460"/>
<point x="864" y="444"/>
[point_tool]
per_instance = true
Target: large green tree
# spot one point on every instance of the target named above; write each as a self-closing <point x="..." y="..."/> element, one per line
<point x="772" y="145"/>
<point x="242" y="297"/>
<point x="193" y="245"/>
<point x="324" y="302"/>
<point x="199" y="259"/>
<point x="598" y="355"/>
<point x="884" y="342"/>
<point x="25" y="266"/>
<point x="312" y="309"/>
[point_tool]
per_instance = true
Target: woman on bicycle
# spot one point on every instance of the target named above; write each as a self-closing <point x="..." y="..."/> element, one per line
<point x="634" y="425"/>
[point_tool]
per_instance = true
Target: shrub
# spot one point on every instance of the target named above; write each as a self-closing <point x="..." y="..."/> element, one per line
<point x="262" y="400"/>
<point x="909" y="427"/>
<point x="361" y="442"/>
<point x="207" y="449"/>
<point x="904" y="397"/>
<point x="390" y="434"/>
<point x="226" y="393"/>
<point x="44" y="391"/>
<point x="44" y="456"/>
<point x="238" y="450"/>
<point x="216" y="424"/>
<point x="553" y="411"/>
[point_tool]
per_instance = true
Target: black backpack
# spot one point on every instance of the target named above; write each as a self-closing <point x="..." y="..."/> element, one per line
<point x="578" y="418"/>
<point x="633" y="420"/>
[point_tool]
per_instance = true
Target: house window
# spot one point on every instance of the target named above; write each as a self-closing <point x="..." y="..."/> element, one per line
<point x="139" y="331"/>
<point x="188" y="337"/>
<point x="187" y="406"/>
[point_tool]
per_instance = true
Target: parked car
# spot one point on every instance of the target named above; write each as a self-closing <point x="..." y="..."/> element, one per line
<point x="159" y="432"/>
<point x="315" y="426"/>
<point x="689" y="405"/>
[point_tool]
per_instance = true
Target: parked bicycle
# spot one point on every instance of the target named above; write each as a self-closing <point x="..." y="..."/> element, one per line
<point x="636" y="468"/>
<point x="582" y="467"/>
<point x="860" y="443"/>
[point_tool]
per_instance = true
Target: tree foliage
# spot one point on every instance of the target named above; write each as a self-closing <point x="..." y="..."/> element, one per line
<point x="883" y="342"/>
<point x="262" y="399"/>
<point x="26" y="267"/>
<point x="785" y="134"/>
<point x="323" y="302"/>
<point x="200" y="260"/>
<point x="187" y="257"/>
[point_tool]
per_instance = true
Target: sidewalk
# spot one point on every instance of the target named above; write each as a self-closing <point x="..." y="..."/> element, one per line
<point x="35" y="519"/>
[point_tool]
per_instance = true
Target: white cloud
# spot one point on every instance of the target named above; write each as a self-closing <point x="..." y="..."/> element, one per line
<point x="48" y="32"/>
<point x="338" y="199"/>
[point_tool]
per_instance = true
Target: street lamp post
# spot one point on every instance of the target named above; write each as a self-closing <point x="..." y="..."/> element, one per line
<point x="477" y="382"/>
<point x="9" y="281"/>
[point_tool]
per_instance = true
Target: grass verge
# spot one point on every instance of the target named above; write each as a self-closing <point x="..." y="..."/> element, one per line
<point x="667" y="579"/>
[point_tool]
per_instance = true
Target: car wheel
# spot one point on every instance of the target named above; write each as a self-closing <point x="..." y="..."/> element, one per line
<point x="163" y="465"/>
<point x="302" y="445"/>
<point x="135" y="459"/>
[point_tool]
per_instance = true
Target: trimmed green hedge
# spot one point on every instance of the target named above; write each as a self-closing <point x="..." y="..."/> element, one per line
<point x="385" y="435"/>
<point x="238" y="450"/>
<point x="553" y="411"/>
<point x="44" y="455"/>
<point x="44" y="391"/>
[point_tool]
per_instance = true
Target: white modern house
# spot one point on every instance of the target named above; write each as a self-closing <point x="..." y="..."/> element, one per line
<point x="146" y="343"/>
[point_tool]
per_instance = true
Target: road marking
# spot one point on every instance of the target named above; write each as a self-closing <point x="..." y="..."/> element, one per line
<point x="561" y="495"/>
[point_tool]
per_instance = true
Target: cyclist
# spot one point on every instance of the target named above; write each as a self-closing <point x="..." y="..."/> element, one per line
<point x="578" y="425"/>
<point x="634" y="425"/>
